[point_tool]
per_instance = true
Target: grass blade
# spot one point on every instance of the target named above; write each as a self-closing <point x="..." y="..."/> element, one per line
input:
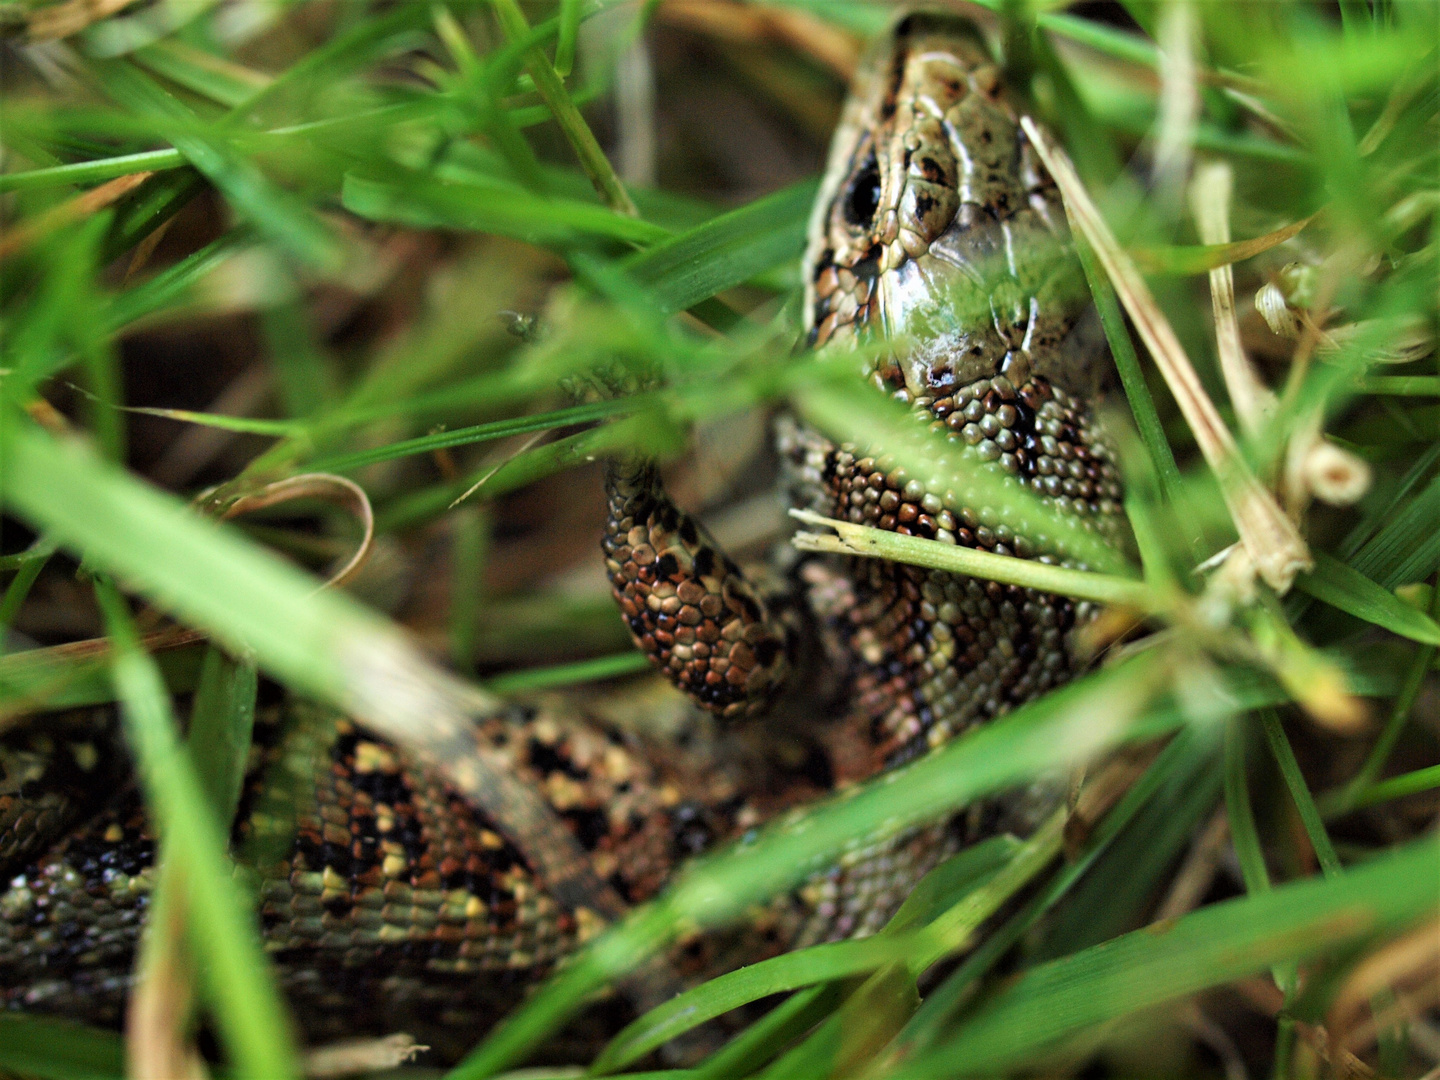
<point x="246" y="1006"/>
<point x="1346" y="588"/>
<point x="59" y="1049"/>
<point x="1215" y="945"/>
<point x="726" y="250"/>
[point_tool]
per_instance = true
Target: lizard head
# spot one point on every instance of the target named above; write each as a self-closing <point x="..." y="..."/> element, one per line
<point x="937" y="222"/>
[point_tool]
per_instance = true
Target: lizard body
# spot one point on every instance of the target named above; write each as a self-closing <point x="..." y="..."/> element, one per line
<point x="390" y="904"/>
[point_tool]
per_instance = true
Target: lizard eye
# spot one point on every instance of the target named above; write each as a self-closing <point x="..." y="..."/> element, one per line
<point x="862" y="195"/>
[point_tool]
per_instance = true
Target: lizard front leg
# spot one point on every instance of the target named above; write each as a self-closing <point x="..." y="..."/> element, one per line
<point x="689" y="607"/>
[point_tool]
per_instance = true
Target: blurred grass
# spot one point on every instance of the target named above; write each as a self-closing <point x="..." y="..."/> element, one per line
<point x="392" y="194"/>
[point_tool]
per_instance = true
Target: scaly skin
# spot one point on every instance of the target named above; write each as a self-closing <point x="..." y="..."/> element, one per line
<point x="388" y="904"/>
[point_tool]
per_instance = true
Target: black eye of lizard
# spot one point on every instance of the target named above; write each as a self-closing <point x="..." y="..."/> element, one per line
<point x="862" y="196"/>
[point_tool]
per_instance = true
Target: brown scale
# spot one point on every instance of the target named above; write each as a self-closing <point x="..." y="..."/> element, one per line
<point x="386" y="902"/>
<point x="687" y="605"/>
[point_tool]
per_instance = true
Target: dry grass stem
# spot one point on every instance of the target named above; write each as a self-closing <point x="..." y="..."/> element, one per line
<point x="355" y="1056"/>
<point x="62" y="20"/>
<point x="1179" y="96"/>
<point x="1197" y="872"/>
<point x="1270" y="537"/>
<point x="328" y="488"/>
<point x="70" y="211"/>
<point x="163" y="995"/>
<point x="1408" y="966"/>
<point x="1210" y="202"/>
<point x="743" y="24"/>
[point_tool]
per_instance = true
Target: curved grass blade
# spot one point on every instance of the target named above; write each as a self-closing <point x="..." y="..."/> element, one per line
<point x="781" y="974"/>
<point x="869" y="1019"/>
<point x="935" y="893"/>
<point x="759" y="1042"/>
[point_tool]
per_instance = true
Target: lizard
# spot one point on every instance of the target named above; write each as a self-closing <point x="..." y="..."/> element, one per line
<point x="388" y="903"/>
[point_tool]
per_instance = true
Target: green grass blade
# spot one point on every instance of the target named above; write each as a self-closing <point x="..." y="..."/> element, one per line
<point x="59" y="1049"/>
<point x="91" y="172"/>
<point x="318" y="641"/>
<point x="338" y="57"/>
<point x="868" y="1020"/>
<point x="221" y="721"/>
<point x="849" y="410"/>
<point x="206" y="574"/>
<point x="1237" y="808"/>
<point x="252" y="1021"/>
<point x="26" y="571"/>
<point x="552" y="91"/>
<point x="172" y="285"/>
<point x="278" y="215"/>
<point x="933" y="1017"/>
<point x="1342" y="800"/>
<point x="1210" y="947"/>
<point x="1132" y="376"/>
<point x="39" y="680"/>
<point x="780" y="974"/>
<point x="422" y="202"/>
<point x="1300" y="793"/>
<point x="222" y="81"/>
<point x="570" y="12"/>
<point x="1398" y="787"/>
<point x="936" y="893"/>
<point x="1407" y="548"/>
<point x="760" y="1042"/>
<point x="726" y="250"/>
<point x="546" y="678"/>
<point x="869" y="542"/>
<point x="498" y="429"/>
<point x="1346" y="588"/>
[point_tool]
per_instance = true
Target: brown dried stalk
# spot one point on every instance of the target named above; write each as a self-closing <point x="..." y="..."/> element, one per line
<point x="1271" y="539"/>
<point x="1210" y="202"/>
